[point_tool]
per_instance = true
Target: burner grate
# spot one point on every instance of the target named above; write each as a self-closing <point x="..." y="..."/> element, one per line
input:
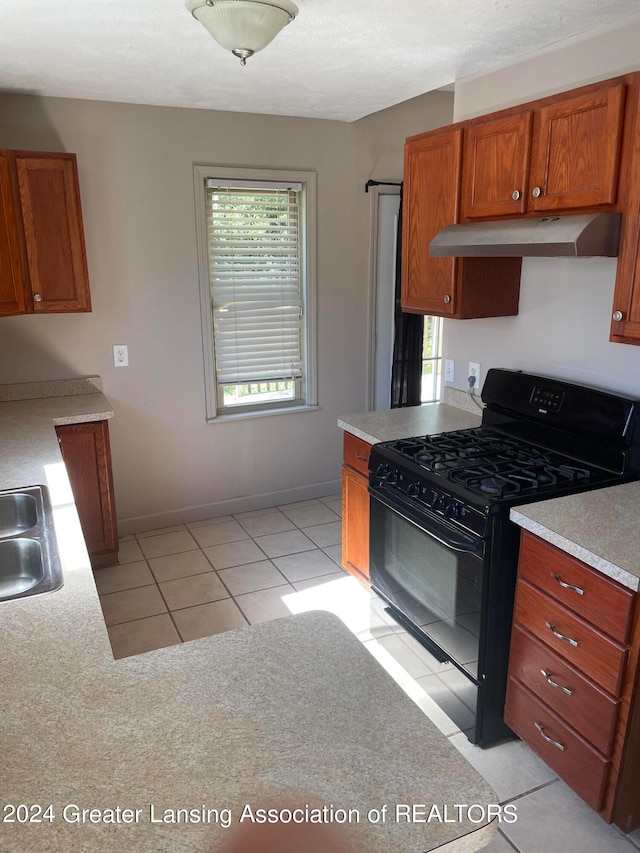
<point x="492" y="465"/>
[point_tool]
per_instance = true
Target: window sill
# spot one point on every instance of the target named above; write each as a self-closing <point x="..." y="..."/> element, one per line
<point x="262" y="413"/>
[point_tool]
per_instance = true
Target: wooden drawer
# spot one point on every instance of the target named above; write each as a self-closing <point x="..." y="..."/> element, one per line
<point x="604" y="602"/>
<point x="588" y="709"/>
<point x="591" y="651"/>
<point x="356" y="453"/>
<point x="578" y="763"/>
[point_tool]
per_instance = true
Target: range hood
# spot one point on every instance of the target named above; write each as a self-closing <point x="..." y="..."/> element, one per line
<point x="587" y="235"/>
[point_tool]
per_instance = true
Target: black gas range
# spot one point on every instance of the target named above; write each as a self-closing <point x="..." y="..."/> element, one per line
<point x="443" y="553"/>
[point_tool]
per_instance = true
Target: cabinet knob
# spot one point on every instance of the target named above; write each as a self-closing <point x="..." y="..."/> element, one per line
<point x="617" y="316"/>
<point x="515" y="195"/>
<point x="447" y="298"/>
<point x="37" y="297"/>
<point x="536" y="192"/>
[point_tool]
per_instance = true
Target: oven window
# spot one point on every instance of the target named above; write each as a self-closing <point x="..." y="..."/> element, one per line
<point x="437" y="588"/>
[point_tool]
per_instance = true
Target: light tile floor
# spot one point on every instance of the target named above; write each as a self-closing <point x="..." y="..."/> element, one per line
<point x="199" y="579"/>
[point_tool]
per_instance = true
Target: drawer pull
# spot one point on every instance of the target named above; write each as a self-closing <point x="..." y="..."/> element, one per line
<point x="548" y="739"/>
<point x="560" y="636"/>
<point x="566" y="585"/>
<point x="361" y="458"/>
<point x="555" y="684"/>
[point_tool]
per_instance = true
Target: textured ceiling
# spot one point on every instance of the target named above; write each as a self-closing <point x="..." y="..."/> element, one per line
<point x="340" y="59"/>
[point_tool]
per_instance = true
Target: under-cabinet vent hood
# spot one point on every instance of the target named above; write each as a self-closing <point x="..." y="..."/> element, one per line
<point x="583" y="236"/>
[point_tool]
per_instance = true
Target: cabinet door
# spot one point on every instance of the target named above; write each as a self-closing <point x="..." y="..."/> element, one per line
<point x="430" y="203"/>
<point x="12" y="293"/>
<point x="355" y="523"/>
<point x="496" y="167"/>
<point x="53" y="233"/>
<point x="87" y="457"/>
<point x="576" y="151"/>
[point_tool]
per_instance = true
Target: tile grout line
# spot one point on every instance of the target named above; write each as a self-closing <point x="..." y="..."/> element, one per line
<point x="139" y="539"/>
<point x="540" y="787"/>
<point x="508" y="840"/>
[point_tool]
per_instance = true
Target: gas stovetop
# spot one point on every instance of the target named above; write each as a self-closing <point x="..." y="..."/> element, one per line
<point x="491" y="465"/>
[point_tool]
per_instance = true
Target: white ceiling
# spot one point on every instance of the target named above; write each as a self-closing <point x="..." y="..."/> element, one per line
<point x="340" y="59"/>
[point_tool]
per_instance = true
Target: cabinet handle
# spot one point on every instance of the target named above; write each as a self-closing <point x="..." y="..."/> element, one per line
<point x="515" y="195"/>
<point x="565" y="585"/>
<point x="536" y="192"/>
<point x="555" y="684"/>
<point x="617" y="316"/>
<point x="37" y="297"/>
<point x="361" y="458"/>
<point x="560" y="636"/>
<point x="447" y="298"/>
<point x="548" y="739"/>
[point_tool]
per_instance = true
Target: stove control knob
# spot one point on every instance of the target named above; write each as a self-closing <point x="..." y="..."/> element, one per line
<point x="452" y="510"/>
<point x="392" y="477"/>
<point x="438" y="503"/>
<point x="383" y="472"/>
<point x="414" y="490"/>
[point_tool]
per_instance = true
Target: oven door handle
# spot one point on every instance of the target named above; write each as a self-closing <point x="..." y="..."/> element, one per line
<point x="438" y="530"/>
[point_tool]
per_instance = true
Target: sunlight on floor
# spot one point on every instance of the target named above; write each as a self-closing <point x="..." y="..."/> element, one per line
<point x="345" y="597"/>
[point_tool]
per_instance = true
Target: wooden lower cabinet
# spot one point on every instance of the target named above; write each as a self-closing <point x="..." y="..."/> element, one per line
<point x="87" y="457"/>
<point x="355" y="507"/>
<point x="574" y="668"/>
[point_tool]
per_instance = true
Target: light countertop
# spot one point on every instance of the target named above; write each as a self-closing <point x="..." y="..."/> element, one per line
<point x="429" y="419"/>
<point x="600" y="527"/>
<point x="294" y="711"/>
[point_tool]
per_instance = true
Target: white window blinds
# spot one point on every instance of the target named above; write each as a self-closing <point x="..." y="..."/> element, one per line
<point x="255" y="278"/>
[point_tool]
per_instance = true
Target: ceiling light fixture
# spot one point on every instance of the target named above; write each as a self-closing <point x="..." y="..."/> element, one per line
<point x="243" y="26"/>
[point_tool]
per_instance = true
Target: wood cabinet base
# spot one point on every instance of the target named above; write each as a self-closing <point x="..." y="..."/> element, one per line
<point x="574" y="677"/>
<point x="87" y="457"/>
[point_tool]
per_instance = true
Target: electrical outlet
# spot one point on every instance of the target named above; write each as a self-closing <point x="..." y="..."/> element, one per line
<point x="449" y="370"/>
<point x="474" y="370"/>
<point x="120" y="355"/>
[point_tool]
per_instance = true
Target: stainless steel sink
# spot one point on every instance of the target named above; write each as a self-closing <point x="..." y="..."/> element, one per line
<point x="29" y="563"/>
<point x="18" y="512"/>
<point x="21" y="566"/>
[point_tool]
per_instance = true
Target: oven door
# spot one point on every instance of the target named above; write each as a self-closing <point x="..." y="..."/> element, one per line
<point x="432" y="573"/>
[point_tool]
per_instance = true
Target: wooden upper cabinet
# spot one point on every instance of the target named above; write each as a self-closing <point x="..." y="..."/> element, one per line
<point x="53" y="233"/>
<point x="496" y="167"/>
<point x="43" y="265"/>
<point x="576" y="150"/>
<point x="462" y="288"/>
<point x="12" y="292"/>
<point x="430" y="202"/>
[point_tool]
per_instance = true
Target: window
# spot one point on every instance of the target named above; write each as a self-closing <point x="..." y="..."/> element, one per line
<point x="431" y="359"/>
<point x="257" y="294"/>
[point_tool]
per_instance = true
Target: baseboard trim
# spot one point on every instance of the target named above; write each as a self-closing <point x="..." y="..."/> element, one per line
<point x="248" y="503"/>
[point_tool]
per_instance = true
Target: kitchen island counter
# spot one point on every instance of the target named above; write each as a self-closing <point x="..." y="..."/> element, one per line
<point x="293" y="712"/>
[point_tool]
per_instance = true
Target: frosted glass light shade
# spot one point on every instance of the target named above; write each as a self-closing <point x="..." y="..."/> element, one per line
<point x="243" y="26"/>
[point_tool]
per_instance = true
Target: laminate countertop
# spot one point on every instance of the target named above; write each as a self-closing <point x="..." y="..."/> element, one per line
<point x="288" y="713"/>
<point x="429" y="419"/>
<point x="600" y="527"/>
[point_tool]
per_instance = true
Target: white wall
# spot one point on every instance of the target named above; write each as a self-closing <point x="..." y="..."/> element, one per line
<point x="136" y="177"/>
<point x="135" y="165"/>
<point x="565" y="305"/>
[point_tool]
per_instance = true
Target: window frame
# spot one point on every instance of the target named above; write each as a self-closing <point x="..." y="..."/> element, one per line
<point x="203" y="172"/>
<point x="435" y="360"/>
